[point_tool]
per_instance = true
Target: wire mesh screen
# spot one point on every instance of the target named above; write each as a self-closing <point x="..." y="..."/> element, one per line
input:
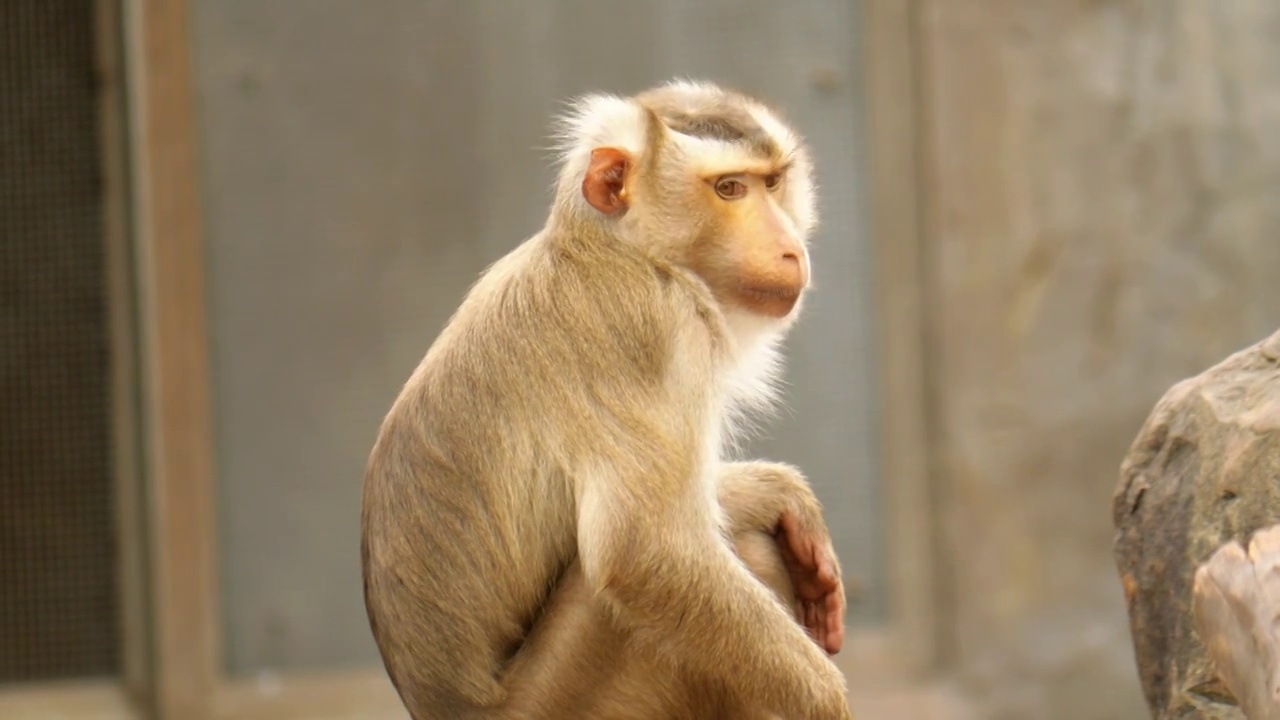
<point x="293" y="153"/>
<point x="57" y="538"/>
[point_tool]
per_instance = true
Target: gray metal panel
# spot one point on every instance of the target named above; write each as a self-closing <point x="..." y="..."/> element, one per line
<point x="362" y="167"/>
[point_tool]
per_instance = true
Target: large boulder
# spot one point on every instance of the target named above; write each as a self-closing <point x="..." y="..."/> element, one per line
<point x="1204" y="471"/>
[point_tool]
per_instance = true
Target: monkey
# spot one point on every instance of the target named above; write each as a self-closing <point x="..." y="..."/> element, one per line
<point x="558" y="455"/>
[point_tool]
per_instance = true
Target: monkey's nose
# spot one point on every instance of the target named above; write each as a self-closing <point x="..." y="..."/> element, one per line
<point x="791" y="270"/>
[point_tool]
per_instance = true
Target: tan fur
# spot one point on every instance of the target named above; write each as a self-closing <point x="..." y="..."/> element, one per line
<point x="546" y="516"/>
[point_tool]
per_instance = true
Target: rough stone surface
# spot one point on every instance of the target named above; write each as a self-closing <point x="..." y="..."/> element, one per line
<point x="1203" y="471"/>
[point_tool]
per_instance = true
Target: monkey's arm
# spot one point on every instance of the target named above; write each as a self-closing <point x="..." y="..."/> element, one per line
<point x="650" y="549"/>
<point x="755" y="495"/>
<point x="774" y="498"/>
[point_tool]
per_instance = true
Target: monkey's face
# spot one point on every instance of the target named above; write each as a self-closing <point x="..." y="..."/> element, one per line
<point x="748" y="249"/>
<point x="713" y="181"/>
<point x="717" y="208"/>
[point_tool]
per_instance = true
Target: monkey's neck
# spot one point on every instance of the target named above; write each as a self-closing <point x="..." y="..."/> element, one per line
<point x="590" y="239"/>
<point x="740" y="334"/>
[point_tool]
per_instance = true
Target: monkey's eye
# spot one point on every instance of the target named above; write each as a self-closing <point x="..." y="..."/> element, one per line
<point x="772" y="180"/>
<point x="731" y="188"/>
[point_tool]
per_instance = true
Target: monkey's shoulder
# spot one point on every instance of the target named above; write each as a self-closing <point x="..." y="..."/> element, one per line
<point x="553" y="312"/>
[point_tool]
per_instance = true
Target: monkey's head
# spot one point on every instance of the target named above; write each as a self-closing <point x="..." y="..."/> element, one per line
<point x="701" y="177"/>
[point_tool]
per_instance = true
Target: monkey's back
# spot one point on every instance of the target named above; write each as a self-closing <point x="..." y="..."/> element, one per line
<point x="468" y="514"/>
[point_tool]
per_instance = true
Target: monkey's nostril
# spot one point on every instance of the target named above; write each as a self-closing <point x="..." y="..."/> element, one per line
<point x="791" y="256"/>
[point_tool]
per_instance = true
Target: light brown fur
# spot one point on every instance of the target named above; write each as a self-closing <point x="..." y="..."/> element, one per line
<point x="548" y="528"/>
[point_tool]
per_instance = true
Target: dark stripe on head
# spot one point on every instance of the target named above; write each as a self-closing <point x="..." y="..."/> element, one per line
<point x="726" y="124"/>
<point x="712" y="113"/>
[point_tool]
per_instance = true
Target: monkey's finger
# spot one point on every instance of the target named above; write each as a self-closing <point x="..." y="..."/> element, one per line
<point x="787" y="525"/>
<point x="799" y="541"/>
<point x="813" y="621"/>
<point x="826" y="629"/>
<point x="804" y="615"/>
<point x="831" y="565"/>
<point x="821" y="630"/>
<point x="834" y="640"/>
<point x="828" y="577"/>
<point x="819" y="623"/>
<point x="802" y="550"/>
<point x="835" y="622"/>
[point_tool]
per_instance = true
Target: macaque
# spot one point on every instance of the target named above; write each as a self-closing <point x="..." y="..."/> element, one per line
<point x="550" y="528"/>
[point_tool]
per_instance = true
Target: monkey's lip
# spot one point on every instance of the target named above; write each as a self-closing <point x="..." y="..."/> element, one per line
<point x="771" y="293"/>
<point x="775" y="301"/>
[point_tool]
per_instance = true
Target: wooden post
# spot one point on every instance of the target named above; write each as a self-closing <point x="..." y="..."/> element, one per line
<point x="894" y="120"/>
<point x="125" y="420"/>
<point x="179" y="453"/>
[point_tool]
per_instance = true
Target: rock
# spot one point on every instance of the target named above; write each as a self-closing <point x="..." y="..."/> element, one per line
<point x="1203" y="471"/>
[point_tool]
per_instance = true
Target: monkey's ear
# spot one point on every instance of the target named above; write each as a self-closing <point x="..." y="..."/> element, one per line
<point x="605" y="185"/>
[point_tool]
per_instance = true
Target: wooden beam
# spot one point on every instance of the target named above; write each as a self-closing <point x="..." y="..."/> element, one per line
<point x="898" y="236"/>
<point x="1236" y="608"/>
<point x="175" y="360"/>
<point x="67" y="701"/>
<point x="367" y="694"/>
<point x="364" y="694"/>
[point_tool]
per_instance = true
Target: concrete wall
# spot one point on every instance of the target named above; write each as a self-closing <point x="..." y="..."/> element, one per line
<point x="363" y="164"/>
<point x="1103" y="181"/>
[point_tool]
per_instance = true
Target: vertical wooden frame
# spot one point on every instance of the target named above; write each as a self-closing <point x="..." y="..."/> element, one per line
<point x="895" y="134"/>
<point x="180" y="494"/>
<point x="125" y="413"/>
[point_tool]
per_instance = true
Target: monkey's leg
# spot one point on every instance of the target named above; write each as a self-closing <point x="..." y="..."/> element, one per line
<point x="763" y="557"/>
<point x="577" y="663"/>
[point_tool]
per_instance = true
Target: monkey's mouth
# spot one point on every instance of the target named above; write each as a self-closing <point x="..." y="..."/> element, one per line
<point x="774" y="302"/>
<point x="768" y="294"/>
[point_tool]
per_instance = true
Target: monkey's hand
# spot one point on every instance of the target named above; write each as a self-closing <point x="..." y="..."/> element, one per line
<point x="775" y="498"/>
<point x="815" y="573"/>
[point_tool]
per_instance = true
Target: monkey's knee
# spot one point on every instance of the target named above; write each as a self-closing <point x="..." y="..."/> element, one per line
<point x="763" y="557"/>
